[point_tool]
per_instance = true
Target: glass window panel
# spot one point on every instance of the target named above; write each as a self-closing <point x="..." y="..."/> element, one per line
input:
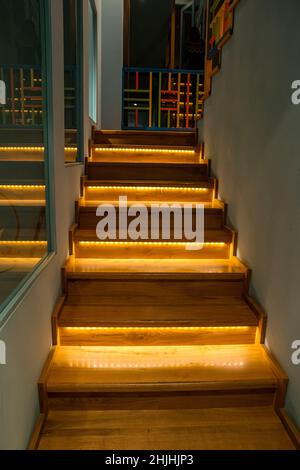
<point x="23" y="149"/>
<point x="73" y="79"/>
<point x="92" y="61"/>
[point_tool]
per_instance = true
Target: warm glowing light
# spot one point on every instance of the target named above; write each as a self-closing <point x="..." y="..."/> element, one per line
<point x="28" y="187"/>
<point x="162" y="244"/>
<point x="22" y="149"/>
<point x="147" y="188"/>
<point x="22" y="243"/>
<point x="31" y="149"/>
<point x="142" y="150"/>
<point x="164" y="363"/>
<point x="155" y="328"/>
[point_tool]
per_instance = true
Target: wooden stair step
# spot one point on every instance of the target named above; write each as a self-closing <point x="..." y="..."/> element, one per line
<point x="210" y="236"/>
<point x="27" y="216"/>
<point x="149" y="193"/>
<point x="17" y="265"/>
<point x="22" y="203"/>
<point x="147" y="171"/>
<point x="155" y="336"/>
<point x="214" y="206"/>
<point x="93" y="377"/>
<point x="21" y="172"/>
<point x="141" y="368"/>
<point x="216" y="312"/>
<point x="144" y="138"/>
<point x="34" y="233"/>
<point x="122" y="157"/>
<point x="214" y="214"/>
<point x="96" y="268"/>
<point x="22" y="154"/>
<point x="23" y="249"/>
<point x="144" y="155"/>
<point x="214" y="321"/>
<point x="156" y="290"/>
<point x="155" y="250"/>
<point x="256" y="428"/>
<point x="209" y="183"/>
<point x="14" y="194"/>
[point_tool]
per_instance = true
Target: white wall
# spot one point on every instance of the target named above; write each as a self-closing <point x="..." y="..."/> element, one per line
<point x="251" y="132"/>
<point x="28" y="332"/>
<point x="99" y="54"/>
<point x="112" y="63"/>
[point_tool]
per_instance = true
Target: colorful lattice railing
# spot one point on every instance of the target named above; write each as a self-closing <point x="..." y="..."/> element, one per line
<point x="24" y="96"/>
<point x="159" y="99"/>
<point x="220" y="22"/>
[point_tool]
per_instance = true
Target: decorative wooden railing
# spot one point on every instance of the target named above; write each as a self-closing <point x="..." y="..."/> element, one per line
<point x="162" y="99"/>
<point x="219" y="28"/>
<point x="24" y="96"/>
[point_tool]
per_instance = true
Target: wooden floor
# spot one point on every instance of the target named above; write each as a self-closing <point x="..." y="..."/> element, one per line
<point x="209" y="429"/>
<point x="155" y="346"/>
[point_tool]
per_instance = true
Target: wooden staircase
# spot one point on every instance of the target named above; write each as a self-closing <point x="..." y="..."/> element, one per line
<point x="154" y="346"/>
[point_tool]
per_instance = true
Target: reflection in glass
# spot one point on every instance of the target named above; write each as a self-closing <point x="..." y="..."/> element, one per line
<point x="72" y="79"/>
<point x="23" y="231"/>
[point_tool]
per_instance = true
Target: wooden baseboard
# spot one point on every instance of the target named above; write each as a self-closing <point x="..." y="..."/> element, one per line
<point x="290" y="427"/>
<point x="36" y="435"/>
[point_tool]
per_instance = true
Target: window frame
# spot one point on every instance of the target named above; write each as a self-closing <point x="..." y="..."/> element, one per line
<point x="17" y="295"/>
<point x="93" y="64"/>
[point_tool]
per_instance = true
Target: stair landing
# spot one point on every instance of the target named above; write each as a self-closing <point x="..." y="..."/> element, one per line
<point x="257" y="428"/>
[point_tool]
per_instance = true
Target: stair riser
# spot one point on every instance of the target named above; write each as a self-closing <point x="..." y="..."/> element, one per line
<point x="125" y="172"/>
<point x="124" y="138"/>
<point x="22" y="155"/>
<point x="87" y="219"/>
<point x="124" y="292"/>
<point x="21" y="194"/>
<point x="14" y="172"/>
<point x="24" y="217"/>
<point x="119" y="337"/>
<point x="187" y="197"/>
<point x="144" y="157"/>
<point x="160" y="400"/>
<point x="153" y="252"/>
<point x="26" y="251"/>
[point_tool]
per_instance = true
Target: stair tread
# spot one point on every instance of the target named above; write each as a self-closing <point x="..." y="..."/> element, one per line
<point x="144" y="157"/>
<point x="203" y="184"/>
<point x="96" y="368"/>
<point x="218" y="236"/>
<point x="24" y="234"/>
<point x="92" y="205"/>
<point x="146" y="165"/>
<point x="256" y="428"/>
<point x="124" y="146"/>
<point x="231" y="268"/>
<point x="18" y="265"/>
<point x="223" y="311"/>
<point x="22" y="203"/>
